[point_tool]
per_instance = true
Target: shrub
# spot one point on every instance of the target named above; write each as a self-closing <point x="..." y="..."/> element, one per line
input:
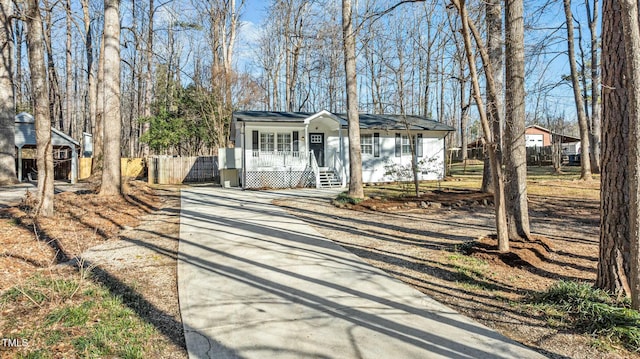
<point x="594" y="311"/>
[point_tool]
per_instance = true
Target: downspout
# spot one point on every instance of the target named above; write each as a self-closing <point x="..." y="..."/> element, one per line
<point x="444" y="151"/>
<point x="244" y="159"/>
<point x="343" y="172"/>
<point x="74" y="164"/>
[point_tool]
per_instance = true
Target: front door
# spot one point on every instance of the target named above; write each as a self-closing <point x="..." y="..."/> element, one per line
<point x="316" y="144"/>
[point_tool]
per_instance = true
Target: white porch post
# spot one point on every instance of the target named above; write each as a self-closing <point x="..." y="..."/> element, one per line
<point x="344" y="163"/>
<point x="20" y="164"/>
<point x="306" y="138"/>
<point x="74" y="165"/>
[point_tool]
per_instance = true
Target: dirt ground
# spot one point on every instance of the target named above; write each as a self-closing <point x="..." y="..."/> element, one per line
<point x="420" y="241"/>
<point x="130" y="244"/>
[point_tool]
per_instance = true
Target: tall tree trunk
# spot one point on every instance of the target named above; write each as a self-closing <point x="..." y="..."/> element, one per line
<point x="44" y="150"/>
<point x="90" y="115"/>
<point x="585" y="163"/>
<point x="111" y="184"/>
<point x="515" y="154"/>
<point x="494" y="106"/>
<point x="496" y="168"/>
<point x="55" y="100"/>
<point x="7" y="100"/>
<point x="148" y="94"/>
<point x="614" y="259"/>
<point x="349" y="46"/>
<point x="68" y="114"/>
<point x="18" y="79"/>
<point x="632" y="49"/>
<point x="596" y="122"/>
<point x="98" y="126"/>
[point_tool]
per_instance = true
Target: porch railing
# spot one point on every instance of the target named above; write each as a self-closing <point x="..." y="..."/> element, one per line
<point x="315" y="168"/>
<point x="339" y="168"/>
<point x="277" y="159"/>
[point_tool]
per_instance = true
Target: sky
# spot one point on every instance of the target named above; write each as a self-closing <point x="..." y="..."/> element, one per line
<point x="556" y="66"/>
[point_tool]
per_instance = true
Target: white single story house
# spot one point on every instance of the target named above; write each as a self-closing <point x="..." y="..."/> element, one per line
<point x="300" y="149"/>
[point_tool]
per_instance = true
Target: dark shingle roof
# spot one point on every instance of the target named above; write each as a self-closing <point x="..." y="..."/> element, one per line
<point x="367" y="121"/>
<point x="399" y="122"/>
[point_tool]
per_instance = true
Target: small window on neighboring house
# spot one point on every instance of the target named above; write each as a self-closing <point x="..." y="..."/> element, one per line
<point x="284" y="142"/>
<point x="366" y="144"/>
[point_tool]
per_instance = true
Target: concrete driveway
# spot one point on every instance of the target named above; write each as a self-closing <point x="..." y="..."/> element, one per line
<point x="255" y="282"/>
<point x="13" y="194"/>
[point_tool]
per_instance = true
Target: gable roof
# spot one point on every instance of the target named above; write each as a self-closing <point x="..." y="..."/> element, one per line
<point x="563" y="138"/>
<point x="367" y="121"/>
<point x="25" y="135"/>
<point x="538" y="127"/>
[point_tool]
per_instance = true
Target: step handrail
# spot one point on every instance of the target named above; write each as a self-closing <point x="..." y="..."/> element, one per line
<point x="315" y="168"/>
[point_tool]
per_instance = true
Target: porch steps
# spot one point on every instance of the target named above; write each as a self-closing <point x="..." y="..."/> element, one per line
<point x="329" y="179"/>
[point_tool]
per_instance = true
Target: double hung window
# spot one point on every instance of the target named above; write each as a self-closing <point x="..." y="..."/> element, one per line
<point x="366" y="144"/>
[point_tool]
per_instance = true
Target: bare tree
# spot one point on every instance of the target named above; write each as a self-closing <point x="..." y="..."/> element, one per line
<point x="515" y="153"/>
<point x="98" y="125"/>
<point x="585" y="162"/>
<point x="7" y="102"/>
<point x="44" y="150"/>
<point x="631" y="27"/>
<point x="595" y="128"/>
<point x="148" y="95"/>
<point x="355" y="157"/>
<point x="496" y="167"/>
<point x="18" y="74"/>
<point x="69" y="78"/>
<point x="614" y="264"/>
<point x="111" y="182"/>
<point x="55" y="99"/>
<point x="493" y="20"/>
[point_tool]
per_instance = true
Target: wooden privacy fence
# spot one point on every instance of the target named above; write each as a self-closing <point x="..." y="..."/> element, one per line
<point x="129" y="167"/>
<point x="176" y="170"/>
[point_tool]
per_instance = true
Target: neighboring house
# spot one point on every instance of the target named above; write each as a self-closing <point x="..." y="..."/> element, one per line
<point x="538" y="136"/>
<point x="299" y="149"/>
<point x="65" y="150"/>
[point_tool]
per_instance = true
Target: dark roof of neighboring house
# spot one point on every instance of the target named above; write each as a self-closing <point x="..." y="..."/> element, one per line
<point x="24" y="133"/>
<point x="367" y="121"/>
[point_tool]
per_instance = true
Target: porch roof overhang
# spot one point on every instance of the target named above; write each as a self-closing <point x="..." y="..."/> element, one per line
<point x="302" y="118"/>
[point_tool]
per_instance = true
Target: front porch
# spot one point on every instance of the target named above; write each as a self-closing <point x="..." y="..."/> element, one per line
<point x="291" y="150"/>
<point x="291" y="169"/>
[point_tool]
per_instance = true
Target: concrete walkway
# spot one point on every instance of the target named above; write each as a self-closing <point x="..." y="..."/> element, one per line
<point x="255" y="282"/>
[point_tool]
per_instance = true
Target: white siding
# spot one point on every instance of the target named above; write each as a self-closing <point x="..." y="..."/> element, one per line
<point x="373" y="168"/>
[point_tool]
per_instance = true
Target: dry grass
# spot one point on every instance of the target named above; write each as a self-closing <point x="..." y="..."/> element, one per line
<point x="447" y="252"/>
<point x="84" y="309"/>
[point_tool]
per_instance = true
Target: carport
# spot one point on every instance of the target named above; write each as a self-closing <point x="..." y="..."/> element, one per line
<point x="65" y="148"/>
